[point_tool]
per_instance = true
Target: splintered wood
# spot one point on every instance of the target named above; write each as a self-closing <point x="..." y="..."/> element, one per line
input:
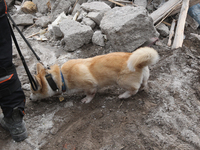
<point x="171" y="33"/>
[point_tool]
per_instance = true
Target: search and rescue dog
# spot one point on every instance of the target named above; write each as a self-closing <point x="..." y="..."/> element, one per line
<point x="127" y="70"/>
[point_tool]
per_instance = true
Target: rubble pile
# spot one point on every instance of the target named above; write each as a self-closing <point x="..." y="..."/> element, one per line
<point x="125" y="25"/>
<point x="165" y="115"/>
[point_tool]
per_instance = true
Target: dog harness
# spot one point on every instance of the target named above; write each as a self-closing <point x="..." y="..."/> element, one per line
<point x="64" y="87"/>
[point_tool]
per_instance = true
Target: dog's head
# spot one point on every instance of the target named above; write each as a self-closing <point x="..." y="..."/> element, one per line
<point x="44" y="89"/>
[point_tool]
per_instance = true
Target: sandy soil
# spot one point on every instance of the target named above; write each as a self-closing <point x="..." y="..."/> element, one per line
<point x="165" y="115"/>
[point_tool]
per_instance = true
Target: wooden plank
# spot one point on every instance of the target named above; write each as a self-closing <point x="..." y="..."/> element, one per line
<point x="178" y="39"/>
<point x="171" y="33"/>
<point x="164" y="10"/>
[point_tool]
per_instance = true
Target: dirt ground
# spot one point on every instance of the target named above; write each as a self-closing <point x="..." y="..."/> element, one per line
<point x="166" y="115"/>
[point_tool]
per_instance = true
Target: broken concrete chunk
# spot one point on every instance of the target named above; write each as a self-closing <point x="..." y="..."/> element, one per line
<point x="111" y="4"/>
<point x="142" y="3"/>
<point x="89" y="22"/>
<point x="75" y="34"/>
<point x="23" y="19"/>
<point x="29" y="7"/>
<point x="98" y="38"/>
<point x="77" y="8"/>
<point x="41" y="5"/>
<point x="95" y="6"/>
<point x="43" y="21"/>
<point x="163" y="29"/>
<point x="95" y="16"/>
<point x="57" y="32"/>
<point x="59" y="6"/>
<point x="82" y="15"/>
<point x="82" y="1"/>
<point x="192" y="22"/>
<point x="127" y="27"/>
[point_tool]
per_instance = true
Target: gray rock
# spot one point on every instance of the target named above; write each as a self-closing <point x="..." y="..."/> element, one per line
<point x="108" y="3"/>
<point x="38" y="14"/>
<point x="23" y="19"/>
<point x="75" y="34"/>
<point x="10" y="2"/>
<point x="41" y="5"/>
<point x="89" y="22"/>
<point x="72" y="2"/>
<point x="163" y="29"/>
<point x="192" y="22"/>
<point x="95" y="6"/>
<point x="43" y="21"/>
<point x="68" y="104"/>
<point x="158" y="3"/>
<point x="142" y="3"/>
<point x="49" y="34"/>
<point x="95" y="16"/>
<point x="26" y="87"/>
<point x="98" y="38"/>
<point x="21" y="28"/>
<point x="58" y="6"/>
<point x="57" y="32"/>
<point x="127" y="27"/>
<point x="82" y="15"/>
<point x="77" y="8"/>
<point x="82" y="1"/>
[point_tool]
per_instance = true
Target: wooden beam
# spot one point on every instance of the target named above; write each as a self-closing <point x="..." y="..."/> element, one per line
<point x="178" y="40"/>
<point x="164" y="10"/>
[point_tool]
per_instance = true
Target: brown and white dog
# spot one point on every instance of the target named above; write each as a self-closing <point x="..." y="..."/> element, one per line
<point x="128" y="70"/>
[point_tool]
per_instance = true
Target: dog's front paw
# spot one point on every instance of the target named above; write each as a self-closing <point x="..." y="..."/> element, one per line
<point x="86" y="100"/>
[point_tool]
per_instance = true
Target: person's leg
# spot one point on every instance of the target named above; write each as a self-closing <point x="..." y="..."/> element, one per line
<point x="13" y="112"/>
<point x="12" y="98"/>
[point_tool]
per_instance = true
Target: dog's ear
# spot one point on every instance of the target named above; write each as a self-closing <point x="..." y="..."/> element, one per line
<point x="38" y="81"/>
<point x="39" y="68"/>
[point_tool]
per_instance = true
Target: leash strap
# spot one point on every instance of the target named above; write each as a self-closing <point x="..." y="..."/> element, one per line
<point x="30" y="77"/>
<point x="51" y="82"/>
<point x="38" y="58"/>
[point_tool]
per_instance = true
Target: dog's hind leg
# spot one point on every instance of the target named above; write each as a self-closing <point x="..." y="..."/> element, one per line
<point x="127" y="94"/>
<point x="145" y="79"/>
<point x="89" y="96"/>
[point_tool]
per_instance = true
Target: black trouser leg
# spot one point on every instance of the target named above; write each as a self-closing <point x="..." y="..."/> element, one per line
<point x="16" y="98"/>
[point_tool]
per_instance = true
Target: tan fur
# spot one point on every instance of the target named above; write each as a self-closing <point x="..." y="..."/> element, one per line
<point x="128" y="70"/>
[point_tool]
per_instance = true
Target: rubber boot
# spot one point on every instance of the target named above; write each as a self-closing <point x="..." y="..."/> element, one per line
<point x="15" y="125"/>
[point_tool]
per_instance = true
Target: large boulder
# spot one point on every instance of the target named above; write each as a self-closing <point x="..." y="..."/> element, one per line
<point x="127" y="27"/>
<point x="75" y="34"/>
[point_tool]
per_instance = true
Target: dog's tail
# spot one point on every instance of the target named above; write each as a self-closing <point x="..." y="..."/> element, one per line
<point x="142" y="57"/>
